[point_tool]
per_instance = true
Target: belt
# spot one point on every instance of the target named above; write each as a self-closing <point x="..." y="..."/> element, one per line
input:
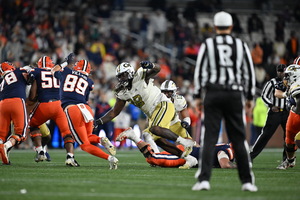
<point x="232" y="87"/>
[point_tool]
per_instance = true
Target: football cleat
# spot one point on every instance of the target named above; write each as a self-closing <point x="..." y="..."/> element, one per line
<point x="39" y="157"/>
<point x="191" y="161"/>
<point x="108" y="146"/>
<point x="127" y="134"/>
<point x="70" y="161"/>
<point x="48" y="158"/>
<point x="249" y="187"/>
<point x="203" y="185"/>
<point x="286" y="164"/>
<point x="4" y="155"/>
<point x="113" y="162"/>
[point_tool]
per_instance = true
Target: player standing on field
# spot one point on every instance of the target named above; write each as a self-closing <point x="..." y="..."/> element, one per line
<point x="12" y="108"/>
<point x="45" y="89"/>
<point x="75" y="87"/>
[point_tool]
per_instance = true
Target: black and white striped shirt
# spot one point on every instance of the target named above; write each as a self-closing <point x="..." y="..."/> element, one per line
<point x="226" y="61"/>
<point x="269" y="98"/>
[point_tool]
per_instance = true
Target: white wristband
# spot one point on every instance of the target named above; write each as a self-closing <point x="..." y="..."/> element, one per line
<point x="187" y="119"/>
<point x="64" y="64"/>
<point x="284" y="95"/>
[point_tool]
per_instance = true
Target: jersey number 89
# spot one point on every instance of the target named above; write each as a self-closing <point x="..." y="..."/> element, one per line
<point x="75" y="83"/>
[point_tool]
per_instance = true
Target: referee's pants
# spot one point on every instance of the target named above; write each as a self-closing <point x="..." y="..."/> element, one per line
<point x="227" y="105"/>
<point x="274" y="119"/>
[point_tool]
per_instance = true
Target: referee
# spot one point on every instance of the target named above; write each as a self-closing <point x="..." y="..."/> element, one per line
<point x="224" y="77"/>
<point x="277" y="114"/>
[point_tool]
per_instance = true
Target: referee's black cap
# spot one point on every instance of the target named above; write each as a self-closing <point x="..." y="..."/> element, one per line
<point x="281" y="67"/>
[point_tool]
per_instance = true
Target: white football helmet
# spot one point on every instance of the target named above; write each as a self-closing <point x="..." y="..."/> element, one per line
<point x="292" y="74"/>
<point x="124" y="72"/>
<point x="168" y="87"/>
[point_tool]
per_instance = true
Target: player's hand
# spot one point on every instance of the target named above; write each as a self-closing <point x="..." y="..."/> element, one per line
<point x="185" y="125"/>
<point x="69" y="58"/>
<point x="146" y="65"/>
<point x="98" y="122"/>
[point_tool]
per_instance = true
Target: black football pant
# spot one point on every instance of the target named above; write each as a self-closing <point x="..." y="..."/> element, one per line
<point x="227" y="105"/>
<point x="274" y="119"/>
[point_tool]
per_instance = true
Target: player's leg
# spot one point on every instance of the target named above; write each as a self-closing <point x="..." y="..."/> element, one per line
<point x="160" y="123"/>
<point x="79" y="131"/>
<point x="46" y="138"/>
<point x="62" y="123"/>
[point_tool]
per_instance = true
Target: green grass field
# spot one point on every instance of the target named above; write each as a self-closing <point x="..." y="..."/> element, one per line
<point x="135" y="179"/>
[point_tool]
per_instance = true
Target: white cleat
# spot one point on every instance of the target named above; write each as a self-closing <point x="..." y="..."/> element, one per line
<point x="113" y="162"/>
<point x="188" y="147"/>
<point x="40" y="157"/>
<point x="286" y="164"/>
<point x="127" y="134"/>
<point x="249" y="187"/>
<point x="191" y="161"/>
<point x="203" y="185"/>
<point x="70" y="161"/>
<point x="4" y="154"/>
<point x="108" y="146"/>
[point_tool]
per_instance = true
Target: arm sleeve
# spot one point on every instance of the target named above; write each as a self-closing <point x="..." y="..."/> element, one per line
<point x="201" y="63"/>
<point x="267" y="93"/>
<point x="249" y="76"/>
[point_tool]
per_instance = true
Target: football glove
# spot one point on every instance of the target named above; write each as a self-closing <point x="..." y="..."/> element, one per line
<point x="146" y="65"/>
<point x="69" y="58"/>
<point x="185" y="125"/>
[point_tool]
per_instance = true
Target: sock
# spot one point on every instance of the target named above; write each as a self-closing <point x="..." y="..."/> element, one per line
<point x="39" y="149"/>
<point x="180" y="140"/>
<point x="45" y="148"/>
<point x="8" y="144"/>
<point x="70" y="154"/>
<point x="148" y="138"/>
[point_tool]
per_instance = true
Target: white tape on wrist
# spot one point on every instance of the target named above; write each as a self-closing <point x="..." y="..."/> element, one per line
<point x="64" y="64"/>
<point x="284" y="95"/>
<point x="187" y="119"/>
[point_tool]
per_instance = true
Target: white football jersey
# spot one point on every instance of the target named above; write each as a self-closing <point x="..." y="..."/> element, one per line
<point x="144" y="96"/>
<point x="294" y="89"/>
<point x="179" y="104"/>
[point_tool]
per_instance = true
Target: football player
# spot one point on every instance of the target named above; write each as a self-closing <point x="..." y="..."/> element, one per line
<point x="75" y="87"/>
<point x="45" y="89"/>
<point x="292" y="81"/>
<point x="223" y="154"/>
<point x="182" y="120"/>
<point x="12" y="108"/>
<point x="44" y="130"/>
<point x="137" y="88"/>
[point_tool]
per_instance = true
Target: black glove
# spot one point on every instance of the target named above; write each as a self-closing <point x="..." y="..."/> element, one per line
<point x="146" y="65"/>
<point x="280" y="86"/>
<point x="184" y="124"/>
<point x="69" y="58"/>
<point x="98" y="122"/>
